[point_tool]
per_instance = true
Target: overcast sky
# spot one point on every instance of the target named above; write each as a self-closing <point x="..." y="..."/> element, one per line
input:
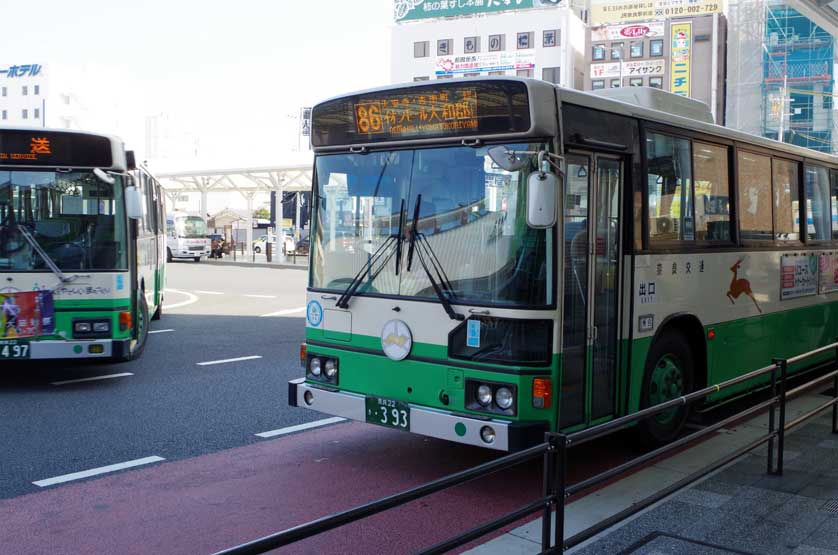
<point x="233" y="73"/>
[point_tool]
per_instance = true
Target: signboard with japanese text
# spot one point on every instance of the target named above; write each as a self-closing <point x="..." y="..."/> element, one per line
<point x="407" y="10"/>
<point x="638" y="68"/>
<point x="52" y="148"/>
<point x="798" y="276"/>
<point x="828" y="273"/>
<point x="681" y="50"/>
<point x="22" y="70"/>
<point x="489" y="61"/>
<point x="26" y="314"/>
<point x="305" y="122"/>
<point x="648" y="29"/>
<point x="626" y="11"/>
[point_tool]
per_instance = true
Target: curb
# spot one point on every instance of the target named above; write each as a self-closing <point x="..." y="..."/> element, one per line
<point x="274" y="266"/>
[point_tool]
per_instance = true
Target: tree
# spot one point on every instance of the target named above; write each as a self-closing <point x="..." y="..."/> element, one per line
<point x="262" y="214"/>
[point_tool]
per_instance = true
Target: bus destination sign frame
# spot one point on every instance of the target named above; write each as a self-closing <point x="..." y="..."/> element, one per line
<point x="54" y="149"/>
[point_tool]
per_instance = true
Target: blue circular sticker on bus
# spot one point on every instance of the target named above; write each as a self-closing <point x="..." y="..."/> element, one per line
<point x="314" y="313"/>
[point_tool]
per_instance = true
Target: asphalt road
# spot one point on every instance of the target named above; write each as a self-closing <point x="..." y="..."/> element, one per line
<point x="171" y="407"/>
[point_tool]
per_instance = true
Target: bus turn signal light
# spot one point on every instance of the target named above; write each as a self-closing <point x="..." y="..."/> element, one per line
<point x="542" y="393"/>
<point x="124" y="321"/>
<point x="711" y="334"/>
<point x="303" y="355"/>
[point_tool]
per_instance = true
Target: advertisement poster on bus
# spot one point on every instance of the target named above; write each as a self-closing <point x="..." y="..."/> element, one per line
<point x="638" y="68"/>
<point x="627" y="11"/>
<point x="648" y="29"/>
<point x="828" y="273"/>
<point x="680" y="58"/>
<point x="29" y="314"/>
<point x="489" y="61"/>
<point x="798" y="276"/>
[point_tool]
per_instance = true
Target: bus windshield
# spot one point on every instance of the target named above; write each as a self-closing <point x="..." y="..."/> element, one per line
<point x="191" y="227"/>
<point x="472" y="215"/>
<point x="78" y="221"/>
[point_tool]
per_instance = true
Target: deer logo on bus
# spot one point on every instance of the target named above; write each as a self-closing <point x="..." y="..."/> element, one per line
<point x="740" y="285"/>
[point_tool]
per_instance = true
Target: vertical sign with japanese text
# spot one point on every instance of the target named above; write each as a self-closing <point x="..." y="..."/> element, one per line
<point x="681" y="34"/>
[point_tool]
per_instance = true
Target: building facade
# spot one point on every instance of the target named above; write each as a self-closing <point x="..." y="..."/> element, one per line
<point x="529" y="38"/>
<point x="31" y="96"/>
<point x="685" y="56"/>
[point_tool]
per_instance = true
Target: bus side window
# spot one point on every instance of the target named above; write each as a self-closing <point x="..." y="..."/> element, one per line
<point x="786" y="200"/>
<point x="754" y="196"/>
<point x="670" y="185"/>
<point x="818" y="209"/>
<point x="712" y="192"/>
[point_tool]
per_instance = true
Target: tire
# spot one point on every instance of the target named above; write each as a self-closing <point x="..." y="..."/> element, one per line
<point x="141" y="326"/>
<point x="159" y="312"/>
<point x="168" y="254"/>
<point x="257" y="250"/>
<point x="197" y="259"/>
<point x="669" y="373"/>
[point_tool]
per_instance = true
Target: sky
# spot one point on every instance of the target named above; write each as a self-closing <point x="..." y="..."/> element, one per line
<point x="234" y="75"/>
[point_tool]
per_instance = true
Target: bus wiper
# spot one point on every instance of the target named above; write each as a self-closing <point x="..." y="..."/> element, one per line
<point x="443" y="296"/>
<point x="373" y="262"/>
<point x="414" y="232"/>
<point x="64" y="278"/>
<point x="401" y="235"/>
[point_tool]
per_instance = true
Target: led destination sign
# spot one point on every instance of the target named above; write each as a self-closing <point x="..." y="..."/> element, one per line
<point x="46" y="148"/>
<point x="422" y="112"/>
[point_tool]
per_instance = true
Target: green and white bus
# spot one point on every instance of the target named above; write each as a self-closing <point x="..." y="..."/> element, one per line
<point x="496" y="257"/>
<point x="82" y="247"/>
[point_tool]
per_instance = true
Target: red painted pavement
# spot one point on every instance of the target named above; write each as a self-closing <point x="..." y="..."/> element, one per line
<point x="208" y="503"/>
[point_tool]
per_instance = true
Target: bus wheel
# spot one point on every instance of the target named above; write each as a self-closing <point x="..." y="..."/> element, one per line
<point x="159" y="312"/>
<point x="668" y="375"/>
<point x="168" y="254"/>
<point x="142" y="326"/>
<point x="197" y="259"/>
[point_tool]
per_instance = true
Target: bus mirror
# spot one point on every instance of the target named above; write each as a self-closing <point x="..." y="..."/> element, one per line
<point x="133" y="203"/>
<point x="542" y="190"/>
<point x="507" y="159"/>
<point x="102" y="176"/>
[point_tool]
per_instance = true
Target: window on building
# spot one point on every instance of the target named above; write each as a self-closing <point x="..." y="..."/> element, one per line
<point x="755" y="202"/>
<point x="818" y="210"/>
<point x="551" y="38"/>
<point x="36" y="113"/>
<point x="25" y="113"/>
<point x="656" y="82"/>
<point x="5" y="115"/>
<point x="551" y="74"/>
<point x="524" y="73"/>
<point x="636" y="49"/>
<point x="636" y="82"/>
<point x="497" y="43"/>
<point x="37" y="89"/>
<point x="421" y="78"/>
<point x="827" y="102"/>
<point x="669" y="180"/>
<point x="421" y="49"/>
<point x="471" y="45"/>
<point x="656" y="48"/>
<point x="498" y="73"/>
<point x="597" y="84"/>
<point x="786" y="202"/>
<point x="25" y="90"/>
<point x="525" y="40"/>
<point x="615" y="83"/>
<point x="616" y="50"/>
<point x="4" y="91"/>
<point x="598" y="52"/>
<point x="712" y="192"/>
<point x="444" y="76"/>
<point x="443" y="47"/>
<point x="472" y="74"/>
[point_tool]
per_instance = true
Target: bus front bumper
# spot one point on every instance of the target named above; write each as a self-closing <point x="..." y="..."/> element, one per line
<point x="79" y="349"/>
<point x="509" y="436"/>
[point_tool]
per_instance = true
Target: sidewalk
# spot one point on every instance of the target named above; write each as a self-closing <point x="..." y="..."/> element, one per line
<point x="261" y="261"/>
<point x="738" y="509"/>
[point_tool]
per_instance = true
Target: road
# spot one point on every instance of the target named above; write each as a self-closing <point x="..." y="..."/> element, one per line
<point x="203" y="479"/>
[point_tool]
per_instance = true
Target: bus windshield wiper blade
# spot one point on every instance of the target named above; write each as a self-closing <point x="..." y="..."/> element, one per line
<point x="444" y="296"/>
<point x="343" y="301"/>
<point x="36" y="246"/>
<point x="414" y="232"/>
<point x="401" y="235"/>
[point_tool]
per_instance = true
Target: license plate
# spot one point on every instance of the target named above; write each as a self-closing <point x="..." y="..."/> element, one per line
<point x="14" y="350"/>
<point x="388" y="412"/>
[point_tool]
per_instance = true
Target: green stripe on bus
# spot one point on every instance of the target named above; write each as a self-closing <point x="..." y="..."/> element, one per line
<point x="93" y="303"/>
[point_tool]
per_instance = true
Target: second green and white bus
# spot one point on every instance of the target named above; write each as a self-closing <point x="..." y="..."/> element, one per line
<point x="498" y="257"/>
<point x="82" y="239"/>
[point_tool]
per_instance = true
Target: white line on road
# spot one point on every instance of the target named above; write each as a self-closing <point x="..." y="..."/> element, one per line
<point x="284" y="312"/>
<point x="93" y="379"/>
<point x="301" y="427"/>
<point x="226" y="360"/>
<point x="192" y="299"/>
<point x="96" y="471"/>
<point x="208" y="292"/>
<point x="161" y="331"/>
<point x="261" y="296"/>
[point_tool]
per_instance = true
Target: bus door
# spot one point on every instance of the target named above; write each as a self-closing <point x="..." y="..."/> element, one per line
<point x="591" y="233"/>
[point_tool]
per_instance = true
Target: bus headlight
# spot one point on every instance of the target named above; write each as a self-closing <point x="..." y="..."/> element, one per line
<point x="81" y="327"/>
<point x="331" y="368"/>
<point x="484" y="395"/>
<point x="504" y="398"/>
<point x="314" y="366"/>
<point x="322" y="369"/>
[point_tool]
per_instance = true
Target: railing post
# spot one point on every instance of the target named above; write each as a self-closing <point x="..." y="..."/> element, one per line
<point x="549" y="489"/>
<point x="561" y="491"/>
<point x="835" y="395"/>
<point x="781" y="429"/>
<point x="772" y="419"/>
